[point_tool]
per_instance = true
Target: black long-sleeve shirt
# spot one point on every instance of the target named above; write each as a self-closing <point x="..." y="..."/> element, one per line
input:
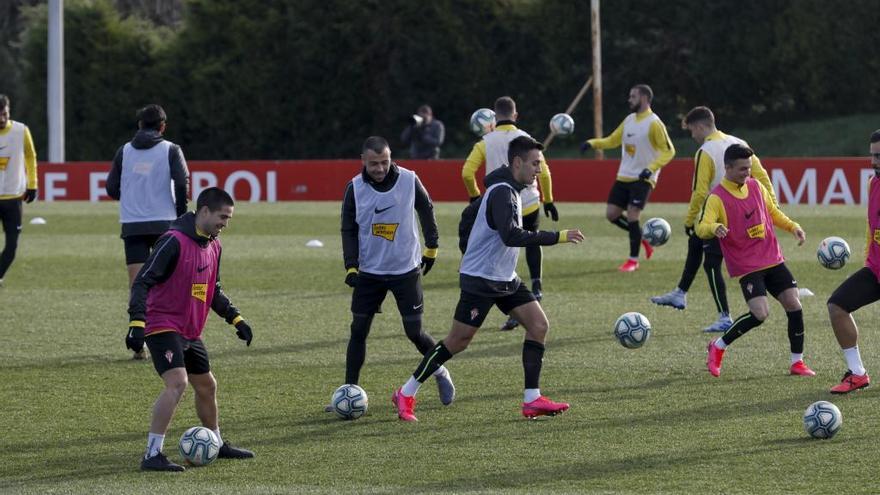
<point x="161" y="264"/>
<point x="423" y="206"/>
<point x="501" y="213"/>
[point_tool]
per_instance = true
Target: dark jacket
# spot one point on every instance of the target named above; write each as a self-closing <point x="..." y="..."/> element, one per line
<point x="424" y="141"/>
<point x="146" y="139"/>
<point x="161" y="264"/>
<point x="423" y="206"/>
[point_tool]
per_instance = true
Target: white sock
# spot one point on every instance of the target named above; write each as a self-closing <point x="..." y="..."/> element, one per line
<point x="854" y="360"/>
<point x="531" y="394"/>
<point x="719" y="344"/>
<point x="219" y="438"/>
<point x="155" y="443"/>
<point x="634" y="259"/>
<point x="795" y="357"/>
<point x="411" y="387"/>
<point x="441" y="371"/>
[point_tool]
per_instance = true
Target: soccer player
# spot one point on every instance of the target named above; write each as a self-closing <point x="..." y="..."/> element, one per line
<point x="170" y="299"/>
<point x="646" y="148"/>
<point x="741" y="214"/>
<point x="149" y="177"/>
<point x="708" y="172"/>
<point x="492" y="151"/>
<point x="488" y="277"/>
<point x="860" y="289"/>
<point x="381" y="251"/>
<point x="18" y="180"/>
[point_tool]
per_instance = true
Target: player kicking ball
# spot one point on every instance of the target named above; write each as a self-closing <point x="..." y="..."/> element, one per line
<point x="170" y="299"/>
<point x="740" y="213"/>
<point x="488" y="278"/>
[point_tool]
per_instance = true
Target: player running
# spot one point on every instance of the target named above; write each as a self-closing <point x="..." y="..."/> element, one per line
<point x="708" y="172"/>
<point x="488" y="278"/>
<point x="741" y="214"/>
<point x="646" y="148"/>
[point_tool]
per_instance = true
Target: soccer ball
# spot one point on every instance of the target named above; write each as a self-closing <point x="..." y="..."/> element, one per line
<point x="482" y="121"/>
<point x="822" y="419"/>
<point x="349" y="401"/>
<point x="562" y="124"/>
<point x="656" y="231"/>
<point x="199" y="446"/>
<point x="833" y="253"/>
<point x="632" y="330"/>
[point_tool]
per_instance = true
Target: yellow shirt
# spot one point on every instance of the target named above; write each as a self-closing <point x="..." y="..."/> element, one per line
<point x="704" y="173"/>
<point x="714" y="213"/>
<point x="658" y="137"/>
<point x="30" y="158"/>
<point x="477" y="158"/>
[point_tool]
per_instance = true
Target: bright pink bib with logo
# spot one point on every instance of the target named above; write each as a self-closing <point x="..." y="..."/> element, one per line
<point x="182" y="302"/>
<point x="873" y="260"/>
<point x="751" y="243"/>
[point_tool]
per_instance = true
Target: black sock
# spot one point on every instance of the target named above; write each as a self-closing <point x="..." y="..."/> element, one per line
<point x="357" y="347"/>
<point x="534" y="256"/>
<point x="740" y="326"/>
<point x="635" y="239"/>
<point x="621" y="222"/>
<point x="717" y="286"/>
<point x="532" y="357"/>
<point x="433" y="360"/>
<point x="796" y="330"/>
<point x="412" y="325"/>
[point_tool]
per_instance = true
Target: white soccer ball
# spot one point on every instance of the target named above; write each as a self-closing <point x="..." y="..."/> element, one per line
<point x="632" y="330"/>
<point x="833" y="252"/>
<point x="562" y="124"/>
<point x="482" y="121"/>
<point x="822" y="419"/>
<point x="349" y="401"/>
<point x="199" y="446"/>
<point x="656" y="231"/>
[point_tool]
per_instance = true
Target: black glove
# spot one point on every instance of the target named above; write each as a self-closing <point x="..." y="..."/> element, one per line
<point x="550" y="211"/>
<point x="134" y="339"/>
<point x="646" y="174"/>
<point x="475" y="198"/>
<point x="690" y="231"/>
<point x="427" y="264"/>
<point x="30" y="195"/>
<point x="351" y="278"/>
<point x="585" y="147"/>
<point x="244" y="332"/>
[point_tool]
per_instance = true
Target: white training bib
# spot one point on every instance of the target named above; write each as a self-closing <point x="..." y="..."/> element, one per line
<point x="486" y="255"/>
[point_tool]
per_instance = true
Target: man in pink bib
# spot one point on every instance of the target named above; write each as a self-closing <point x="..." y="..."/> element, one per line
<point x="170" y="299"/>
<point x="860" y="289"/>
<point x="741" y="214"/>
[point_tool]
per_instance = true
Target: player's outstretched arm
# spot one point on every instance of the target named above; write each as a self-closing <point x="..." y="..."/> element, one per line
<point x="501" y="213"/>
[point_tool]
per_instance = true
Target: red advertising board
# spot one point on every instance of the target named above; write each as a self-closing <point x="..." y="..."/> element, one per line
<point x="796" y="180"/>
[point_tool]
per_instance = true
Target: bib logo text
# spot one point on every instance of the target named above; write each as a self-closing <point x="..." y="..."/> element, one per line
<point x="756" y="231"/>
<point x="200" y="291"/>
<point x="386" y="231"/>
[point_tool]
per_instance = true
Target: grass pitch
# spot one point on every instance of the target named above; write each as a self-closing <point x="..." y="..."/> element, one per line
<point x="75" y="408"/>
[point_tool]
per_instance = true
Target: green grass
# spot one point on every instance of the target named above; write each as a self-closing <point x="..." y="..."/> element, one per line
<point x="838" y="136"/>
<point x="75" y="409"/>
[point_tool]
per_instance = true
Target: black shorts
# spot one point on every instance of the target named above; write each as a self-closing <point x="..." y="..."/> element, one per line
<point x="860" y="289"/>
<point x="10" y="215"/>
<point x="712" y="246"/>
<point x="138" y="247"/>
<point x="531" y="221"/>
<point x="371" y="291"/>
<point x="170" y="350"/>
<point x="626" y="194"/>
<point x="773" y="280"/>
<point x="472" y="309"/>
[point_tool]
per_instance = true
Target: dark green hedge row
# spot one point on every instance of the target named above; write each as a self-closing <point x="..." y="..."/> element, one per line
<point x="311" y="78"/>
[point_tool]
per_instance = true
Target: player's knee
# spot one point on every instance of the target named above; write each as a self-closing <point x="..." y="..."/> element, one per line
<point x="612" y="217"/>
<point x="835" y="311"/>
<point x="761" y="314"/>
<point x="538" y="329"/>
<point x="412" y="326"/>
<point x="177" y="385"/>
<point x="360" y="327"/>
